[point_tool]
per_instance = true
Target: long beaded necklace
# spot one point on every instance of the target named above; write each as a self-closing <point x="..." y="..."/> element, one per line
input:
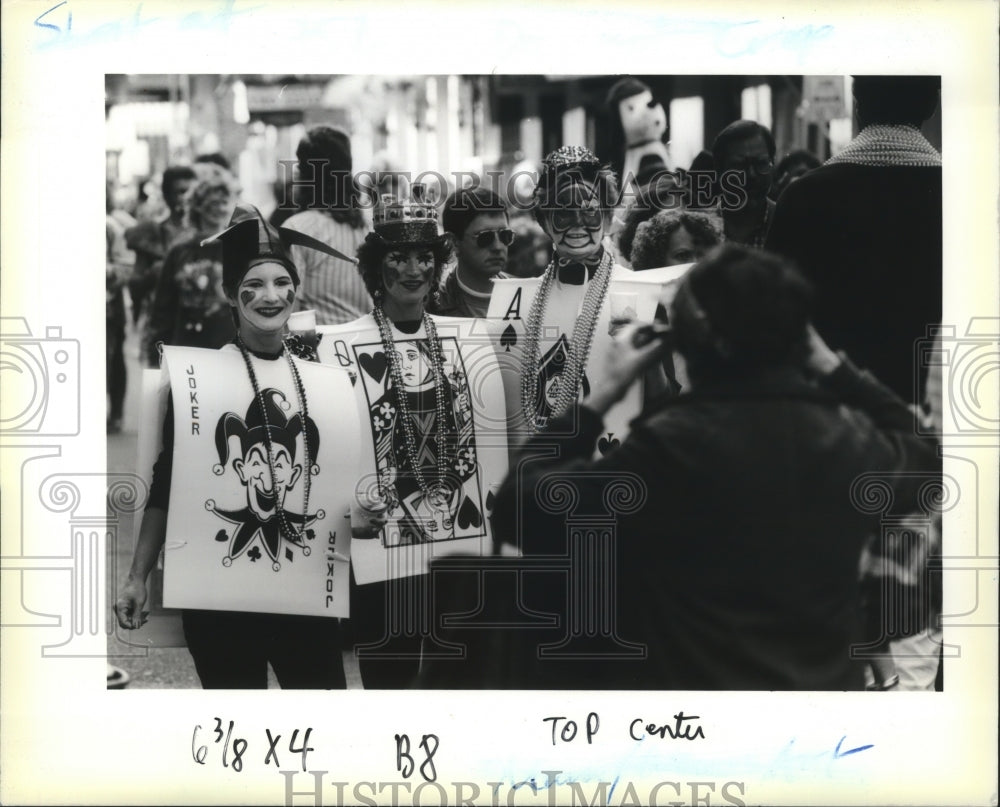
<point x="579" y="347"/>
<point x="283" y="522"/>
<point x="436" y="492"/>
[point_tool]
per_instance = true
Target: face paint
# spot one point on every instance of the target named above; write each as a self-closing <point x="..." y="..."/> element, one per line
<point x="576" y="222"/>
<point x="406" y="275"/>
<point x="265" y="297"/>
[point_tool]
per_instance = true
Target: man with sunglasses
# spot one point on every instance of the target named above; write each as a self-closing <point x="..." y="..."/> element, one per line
<point x="477" y="219"/>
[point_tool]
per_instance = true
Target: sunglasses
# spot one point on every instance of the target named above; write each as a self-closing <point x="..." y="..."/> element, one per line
<point x="565" y="217"/>
<point x="485" y="238"/>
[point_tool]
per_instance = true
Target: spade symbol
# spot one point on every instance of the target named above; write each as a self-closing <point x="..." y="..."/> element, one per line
<point x="605" y="444"/>
<point x="254" y="553"/>
<point x="221" y="536"/>
<point x="490" y="501"/>
<point x="468" y="514"/>
<point x="374" y="364"/>
<point x="509" y="338"/>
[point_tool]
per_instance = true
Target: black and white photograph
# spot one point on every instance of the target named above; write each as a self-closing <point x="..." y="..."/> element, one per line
<point x="536" y="430"/>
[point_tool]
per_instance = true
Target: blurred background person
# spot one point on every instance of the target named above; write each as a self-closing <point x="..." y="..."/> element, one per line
<point x="747" y="147"/>
<point x="673" y="237"/>
<point x="664" y="192"/>
<point x="792" y="166"/>
<point x="331" y="213"/>
<point x="477" y="220"/>
<point x="118" y="266"/>
<point x="151" y="239"/>
<point x="190" y="307"/>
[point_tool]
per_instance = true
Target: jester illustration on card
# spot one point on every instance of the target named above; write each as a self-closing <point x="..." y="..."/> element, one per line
<point x="424" y="441"/>
<point x="269" y="464"/>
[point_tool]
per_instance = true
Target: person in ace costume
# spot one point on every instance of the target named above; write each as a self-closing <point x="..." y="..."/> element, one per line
<point x="232" y="649"/>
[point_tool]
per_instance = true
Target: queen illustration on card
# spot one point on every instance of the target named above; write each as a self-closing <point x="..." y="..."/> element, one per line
<point x="422" y="431"/>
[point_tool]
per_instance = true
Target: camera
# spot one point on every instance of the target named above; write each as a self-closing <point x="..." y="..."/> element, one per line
<point x="41" y="381"/>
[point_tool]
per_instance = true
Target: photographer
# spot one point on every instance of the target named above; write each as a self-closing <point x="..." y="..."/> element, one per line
<point x="740" y="569"/>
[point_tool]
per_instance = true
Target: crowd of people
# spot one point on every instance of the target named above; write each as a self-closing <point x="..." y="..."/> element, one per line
<point x="748" y="393"/>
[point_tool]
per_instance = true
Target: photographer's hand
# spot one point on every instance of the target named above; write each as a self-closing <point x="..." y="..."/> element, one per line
<point x="820" y="359"/>
<point x="619" y="367"/>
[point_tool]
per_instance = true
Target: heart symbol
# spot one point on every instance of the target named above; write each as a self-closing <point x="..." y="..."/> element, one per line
<point x="374" y="364"/>
<point x="605" y="444"/>
<point x="468" y="514"/>
<point x="490" y="501"/>
<point x="221" y="536"/>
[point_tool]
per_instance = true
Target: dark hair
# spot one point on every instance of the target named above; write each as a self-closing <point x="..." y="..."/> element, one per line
<point x="462" y="207"/>
<point x="375" y="248"/>
<point x="895" y="99"/>
<point x="652" y="240"/>
<point x="215" y="158"/>
<point x="324" y="157"/>
<point x="552" y="179"/>
<point x="176" y="173"/>
<point x="737" y="132"/>
<point x="797" y="157"/>
<point x="664" y="192"/>
<point x="740" y="309"/>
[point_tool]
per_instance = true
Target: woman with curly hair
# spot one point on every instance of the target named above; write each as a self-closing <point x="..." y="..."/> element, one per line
<point x="190" y="306"/>
<point x="421" y="427"/>
<point x="673" y="237"/>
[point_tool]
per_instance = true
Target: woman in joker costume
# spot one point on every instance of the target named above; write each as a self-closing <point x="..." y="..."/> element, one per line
<point x="264" y="442"/>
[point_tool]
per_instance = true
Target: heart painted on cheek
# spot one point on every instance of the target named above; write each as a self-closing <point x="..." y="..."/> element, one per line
<point x="247" y="297"/>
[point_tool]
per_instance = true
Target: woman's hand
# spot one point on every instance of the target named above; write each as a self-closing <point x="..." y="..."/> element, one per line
<point x="368" y="520"/>
<point x="128" y="608"/>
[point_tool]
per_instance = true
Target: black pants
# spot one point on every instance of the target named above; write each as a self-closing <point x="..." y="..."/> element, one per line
<point x="115" y="380"/>
<point x="388" y="621"/>
<point x="231" y="650"/>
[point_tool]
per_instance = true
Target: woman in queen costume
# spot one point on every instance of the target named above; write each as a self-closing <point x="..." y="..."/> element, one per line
<point x="426" y="489"/>
<point x="246" y="426"/>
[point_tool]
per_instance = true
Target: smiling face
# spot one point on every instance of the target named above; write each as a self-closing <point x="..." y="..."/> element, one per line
<point x="406" y="276"/>
<point x="576" y="223"/>
<point x="264" y="298"/>
<point x="263" y="493"/>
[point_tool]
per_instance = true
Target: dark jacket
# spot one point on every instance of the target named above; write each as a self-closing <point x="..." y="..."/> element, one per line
<point x="190" y="308"/>
<point x="869" y="239"/>
<point x="737" y="560"/>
